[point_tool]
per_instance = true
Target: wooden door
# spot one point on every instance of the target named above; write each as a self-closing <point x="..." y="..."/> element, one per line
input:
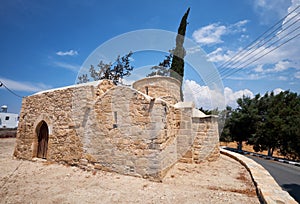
<point x="43" y="134"/>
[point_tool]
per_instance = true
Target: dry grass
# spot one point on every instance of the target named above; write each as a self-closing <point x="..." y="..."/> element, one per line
<point x="46" y="162"/>
<point x="242" y="177"/>
<point x="249" y="148"/>
<point x="249" y="192"/>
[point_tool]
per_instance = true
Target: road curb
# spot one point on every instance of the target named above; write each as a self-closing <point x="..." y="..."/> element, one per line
<point x="267" y="188"/>
<point x="262" y="156"/>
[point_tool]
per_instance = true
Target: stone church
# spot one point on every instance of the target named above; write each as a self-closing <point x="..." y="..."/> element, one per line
<point x="140" y="130"/>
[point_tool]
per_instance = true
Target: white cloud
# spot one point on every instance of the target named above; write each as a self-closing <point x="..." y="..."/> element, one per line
<point x="219" y="55"/>
<point x="67" y="53"/>
<point x="74" y="68"/>
<point x="281" y="66"/>
<point x="297" y="75"/>
<point x="238" y="27"/>
<point x="23" y="86"/>
<point x="259" y="68"/>
<point x="212" y="33"/>
<point x="193" y="50"/>
<point x="247" y="76"/>
<point x="276" y="57"/>
<point x="231" y="96"/>
<point x="282" y="78"/>
<point x="277" y="90"/>
<point x="287" y="55"/>
<point x="202" y="95"/>
<point x="278" y="67"/>
<point x="270" y="11"/>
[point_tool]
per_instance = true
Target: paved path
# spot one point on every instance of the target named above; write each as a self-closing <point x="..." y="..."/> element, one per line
<point x="286" y="175"/>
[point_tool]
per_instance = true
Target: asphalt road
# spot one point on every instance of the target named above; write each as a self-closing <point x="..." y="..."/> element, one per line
<point x="286" y="175"/>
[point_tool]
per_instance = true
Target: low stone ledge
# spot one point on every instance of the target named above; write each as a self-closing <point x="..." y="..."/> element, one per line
<point x="268" y="189"/>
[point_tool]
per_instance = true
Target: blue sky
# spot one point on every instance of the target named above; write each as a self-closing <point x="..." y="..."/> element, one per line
<point x="43" y="44"/>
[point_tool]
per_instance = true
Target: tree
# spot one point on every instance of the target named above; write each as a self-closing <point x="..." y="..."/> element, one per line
<point x="173" y="64"/>
<point x="114" y="72"/>
<point x="278" y="124"/>
<point x="267" y="122"/>
<point x="104" y="71"/>
<point x="289" y="139"/>
<point x="83" y="79"/>
<point x="224" y="130"/>
<point x="122" y="68"/>
<point x="179" y="52"/>
<point x="241" y="124"/>
<point x="163" y="67"/>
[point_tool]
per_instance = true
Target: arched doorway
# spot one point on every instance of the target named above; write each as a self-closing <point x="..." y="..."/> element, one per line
<point x="43" y="134"/>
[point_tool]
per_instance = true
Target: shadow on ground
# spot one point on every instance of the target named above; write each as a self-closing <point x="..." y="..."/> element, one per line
<point x="294" y="190"/>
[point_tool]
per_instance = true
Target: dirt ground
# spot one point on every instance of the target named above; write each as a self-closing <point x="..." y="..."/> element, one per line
<point x="223" y="181"/>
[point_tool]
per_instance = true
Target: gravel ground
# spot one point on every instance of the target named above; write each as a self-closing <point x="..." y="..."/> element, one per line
<point x="223" y="181"/>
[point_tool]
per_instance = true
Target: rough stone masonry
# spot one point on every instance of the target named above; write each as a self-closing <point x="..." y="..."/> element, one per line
<point x="141" y="130"/>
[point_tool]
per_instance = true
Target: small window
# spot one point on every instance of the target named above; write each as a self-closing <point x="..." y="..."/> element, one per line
<point x="115" y="125"/>
<point x="7" y="118"/>
<point x="147" y="90"/>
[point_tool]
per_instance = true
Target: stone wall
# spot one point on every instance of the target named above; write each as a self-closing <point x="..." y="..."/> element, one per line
<point x="166" y="88"/>
<point x="55" y="108"/>
<point x="206" y="141"/>
<point x="127" y="132"/>
<point x="116" y="128"/>
<point x="198" y="132"/>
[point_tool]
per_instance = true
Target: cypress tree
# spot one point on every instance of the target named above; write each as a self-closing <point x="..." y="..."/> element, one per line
<point x="177" y="66"/>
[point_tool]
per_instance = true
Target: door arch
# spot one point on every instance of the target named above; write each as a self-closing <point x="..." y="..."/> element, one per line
<point x="43" y="135"/>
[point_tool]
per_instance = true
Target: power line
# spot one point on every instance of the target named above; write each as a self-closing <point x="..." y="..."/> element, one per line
<point x="260" y="55"/>
<point x="256" y="41"/>
<point x="248" y="55"/>
<point x="2" y="84"/>
<point x="263" y="55"/>
<point x="265" y="48"/>
<point x="252" y="53"/>
<point x="248" y="50"/>
<point x="241" y="56"/>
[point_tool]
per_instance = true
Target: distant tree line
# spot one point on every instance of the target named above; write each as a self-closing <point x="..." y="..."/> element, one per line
<point x="267" y="122"/>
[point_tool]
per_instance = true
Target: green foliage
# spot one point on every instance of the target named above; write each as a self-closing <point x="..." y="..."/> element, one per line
<point x="179" y="51"/>
<point x="163" y="68"/>
<point x="114" y="72"/>
<point x="83" y="79"/>
<point x="267" y="122"/>
<point x="224" y="130"/>
<point x="207" y="112"/>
